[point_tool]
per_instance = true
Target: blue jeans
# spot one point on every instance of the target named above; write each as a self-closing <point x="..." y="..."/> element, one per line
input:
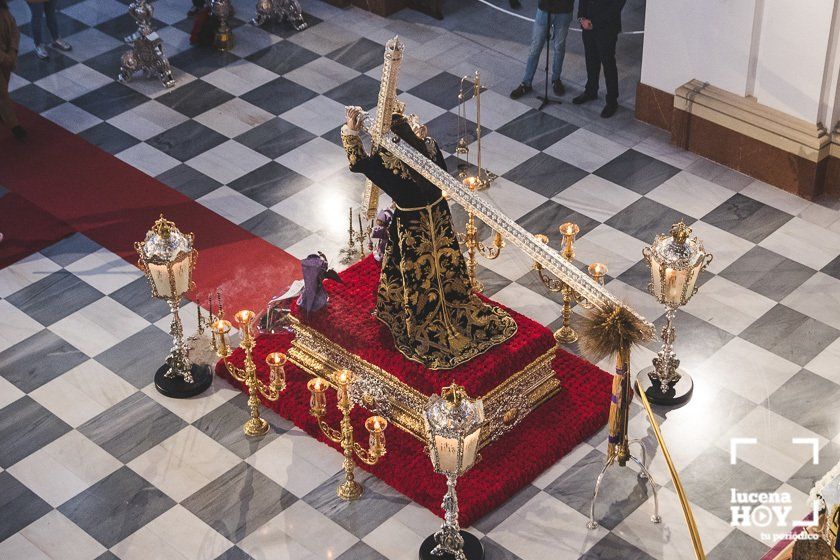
<point x="559" y="29"/>
<point x="39" y="11"/>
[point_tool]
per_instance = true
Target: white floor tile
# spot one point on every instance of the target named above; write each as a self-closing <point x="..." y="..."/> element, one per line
<point x="83" y="392"/>
<point x="775" y="453"/>
<point x="317" y="159"/>
<point x="499" y="153"/>
<point x="176" y="533"/>
<point x="234" y="117"/>
<point x="611" y="247"/>
<point x="61" y="539"/>
<point x="71" y="117"/>
<point x="99" y="326"/>
<point x="746" y="369"/>
<point x="515" y="201"/>
<point x="64" y="468"/>
<point x="804" y="243"/>
<point x="825" y="363"/>
<point x="318" y="115"/>
<point x="25" y="272"/>
<point x="147" y="120"/>
<point x="690" y="194"/>
<point x="529" y="303"/>
<point x="184" y="463"/>
<point x="586" y="150"/>
<point x="228" y="161"/>
<point x="73" y="82"/>
<point x="818" y="297"/>
<point x="394" y="541"/>
<point x="725" y="247"/>
<point x="15" y="326"/>
<point x="17" y="546"/>
<point x="322" y="74"/>
<point x="532" y="531"/>
<point x="147" y="159"/>
<point x="105" y="271"/>
<point x="8" y="393"/>
<point x="231" y="205"/>
<point x="239" y="77"/>
<point x="280" y="462"/>
<point x="728" y="305"/>
<point x="597" y="198"/>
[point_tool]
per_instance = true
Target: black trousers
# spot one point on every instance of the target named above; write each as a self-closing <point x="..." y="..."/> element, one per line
<point x="599" y="49"/>
<point x="198" y="3"/>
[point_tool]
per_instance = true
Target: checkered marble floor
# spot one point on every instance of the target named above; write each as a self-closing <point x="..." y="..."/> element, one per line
<point x="94" y="463"/>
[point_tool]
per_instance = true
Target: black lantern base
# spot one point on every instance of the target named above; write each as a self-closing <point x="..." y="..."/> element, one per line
<point x="472" y="548"/>
<point x="678" y="393"/>
<point x="177" y="388"/>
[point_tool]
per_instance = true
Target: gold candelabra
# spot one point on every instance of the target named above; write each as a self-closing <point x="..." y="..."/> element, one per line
<point x="598" y="271"/>
<point x="247" y="374"/>
<point x="375" y="425"/>
<point x="470" y="239"/>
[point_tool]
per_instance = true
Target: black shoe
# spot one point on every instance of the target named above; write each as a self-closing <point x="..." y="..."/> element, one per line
<point x="19" y="132"/>
<point x="520" y="90"/>
<point x="559" y="88"/>
<point x="584" y="98"/>
<point x="609" y="110"/>
<point x="515" y="4"/>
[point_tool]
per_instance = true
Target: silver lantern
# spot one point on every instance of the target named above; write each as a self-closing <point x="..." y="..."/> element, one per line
<point x="453" y="428"/>
<point x="168" y="257"/>
<point x="675" y="261"/>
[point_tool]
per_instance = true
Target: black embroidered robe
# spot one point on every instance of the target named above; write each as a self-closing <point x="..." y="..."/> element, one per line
<point x="424" y="291"/>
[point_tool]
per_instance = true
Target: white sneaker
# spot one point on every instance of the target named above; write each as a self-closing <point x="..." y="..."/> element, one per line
<point x="62" y="45"/>
<point x="41" y="52"/>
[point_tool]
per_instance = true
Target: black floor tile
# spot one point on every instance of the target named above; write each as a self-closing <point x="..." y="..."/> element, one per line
<point x="116" y="506"/>
<point x="545" y="175"/>
<point x="537" y="129"/>
<point x="38" y="360"/>
<point x="138" y="357"/>
<point x="195" y="98"/>
<point x="110" y="100"/>
<point x="54" y="297"/>
<point x="361" y="90"/>
<point x="274" y="138"/>
<point x="270" y="184"/>
<point x="282" y="57"/>
<point x="35" y="98"/>
<point x="186" y="140"/>
<point x="548" y="216"/>
<point x="767" y="273"/>
<point x="747" y="218"/>
<point x="32" y="68"/>
<point x="276" y="229"/>
<point x="360" y="55"/>
<point x="776" y="329"/>
<point x="26" y="427"/>
<point x="278" y="96"/>
<point x="109" y="138"/>
<point x="637" y="172"/>
<point x="19" y="506"/>
<point x="645" y="219"/>
<point x="188" y="181"/>
<point x="200" y="61"/>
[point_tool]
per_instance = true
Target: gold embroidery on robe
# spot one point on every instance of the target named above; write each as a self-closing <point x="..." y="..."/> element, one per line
<point x="425" y="298"/>
<point x="353" y="147"/>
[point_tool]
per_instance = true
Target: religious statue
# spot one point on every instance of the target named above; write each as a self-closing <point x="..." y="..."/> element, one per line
<point x="424" y="294"/>
<point x="315" y="271"/>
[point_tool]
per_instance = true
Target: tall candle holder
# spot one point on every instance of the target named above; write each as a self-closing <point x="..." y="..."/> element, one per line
<point x="675" y="261"/>
<point x="255" y="426"/>
<point x="598" y="271"/>
<point x="474" y="246"/>
<point x="352" y="253"/>
<point x="223" y="10"/>
<point x="168" y="257"/>
<point x="375" y="425"/>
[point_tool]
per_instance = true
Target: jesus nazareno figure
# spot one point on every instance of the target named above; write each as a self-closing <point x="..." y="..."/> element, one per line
<point x="424" y="292"/>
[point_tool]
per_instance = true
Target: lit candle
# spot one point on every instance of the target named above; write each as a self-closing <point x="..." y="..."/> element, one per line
<point x="277" y="375"/>
<point x="221" y="328"/>
<point x="344" y="377"/>
<point x="671" y="285"/>
<point x="569" y="230"/>
<point x="318" y="402"/>
<point x="376" y="426"/>
<point x="542" y="238"/>
<point x="598" y="271"/>
<point x="244" y="317"/>
<point x="471" y="182"/>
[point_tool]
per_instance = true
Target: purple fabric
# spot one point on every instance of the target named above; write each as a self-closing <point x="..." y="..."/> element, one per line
<point x="380" y="231"/>
<point x="314" y="297"/>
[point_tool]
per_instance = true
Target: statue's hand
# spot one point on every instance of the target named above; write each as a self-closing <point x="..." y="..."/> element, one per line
<point x="355" y="117"/>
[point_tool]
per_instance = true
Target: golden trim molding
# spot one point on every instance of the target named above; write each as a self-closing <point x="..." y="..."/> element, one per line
<point x="746" y="116"/>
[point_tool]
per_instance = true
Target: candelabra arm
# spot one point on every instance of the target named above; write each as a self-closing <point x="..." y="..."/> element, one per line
<point x="333" y="434"/>
<point x="551" y="284"/>
<point x="367" y="456"/>
<point x="237" y="373"/>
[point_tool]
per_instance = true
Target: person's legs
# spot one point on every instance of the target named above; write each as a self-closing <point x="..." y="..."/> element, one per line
<point x="560" y="29"/>
<point x="52" y="22"/>
<point x="606" y="52"/>
<point x="7" y="112"/>
<point x="593" y="62"/>
<point x="37" y="23"/>
<point x="537" y="41"/>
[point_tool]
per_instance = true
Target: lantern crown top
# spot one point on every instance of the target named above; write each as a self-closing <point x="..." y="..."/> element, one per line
<point x="453" y="413"/>
<point x="680" y="232"/>
<point x="164" y="242"/>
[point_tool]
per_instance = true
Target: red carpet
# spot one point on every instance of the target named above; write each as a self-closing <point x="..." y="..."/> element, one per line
<point x="541" y="439"/>
<point x="27" y="229"/>
<point x="114" y="204"/>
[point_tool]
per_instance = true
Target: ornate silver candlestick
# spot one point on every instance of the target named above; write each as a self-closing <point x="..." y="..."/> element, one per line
<point x="146" y="48"/>
<point x="167" y="256"/>
<point x="280" y="10"/>
<point x="224" y="36"/>
<point x="675" y="263"/>
<point x="453" y="426"/>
